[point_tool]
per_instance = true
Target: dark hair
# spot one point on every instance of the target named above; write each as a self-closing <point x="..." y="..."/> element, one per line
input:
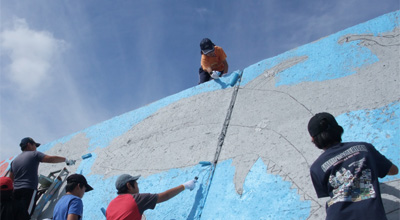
<point x="124" y="189"/>
<point x="23" y="147"/>
<point x="71" y="186"/>
<point x="330" y="136"/>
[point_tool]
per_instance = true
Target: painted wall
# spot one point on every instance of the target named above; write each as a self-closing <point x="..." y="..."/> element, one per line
<point x="260" y="128"/>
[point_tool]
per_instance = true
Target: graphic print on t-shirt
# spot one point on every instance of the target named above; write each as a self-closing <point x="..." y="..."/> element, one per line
<point x="351" y="187"/>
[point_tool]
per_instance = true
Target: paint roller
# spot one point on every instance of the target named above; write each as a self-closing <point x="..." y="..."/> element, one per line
<point x="103" y="211"/>
<point x="205" y="163"/>
<point x="86" y="156"/>
<point x="234" y="79"/>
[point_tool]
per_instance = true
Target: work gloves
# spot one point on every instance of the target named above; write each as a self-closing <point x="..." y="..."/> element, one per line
<point x="215" y="74"/>
<point x="70" y="162"/>
<point x="190" y="184"/>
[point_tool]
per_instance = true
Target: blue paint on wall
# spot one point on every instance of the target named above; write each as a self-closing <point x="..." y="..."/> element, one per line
<point x="104" y="191"/>
<point x="326" y="58"/>
<point x="102" y="134"/>
<point x="45" y="147"/>
<point x="86" y="165"/>
<point x="187" y="201"/>
<point x="379" y="127"/>
<point x="265" y="196"/>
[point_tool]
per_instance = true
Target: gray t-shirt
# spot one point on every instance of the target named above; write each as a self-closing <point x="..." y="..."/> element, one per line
<point x="25" y="169"/>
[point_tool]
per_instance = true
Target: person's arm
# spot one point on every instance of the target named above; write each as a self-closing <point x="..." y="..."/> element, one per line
<point x="393" y="170"/>
<point x="73" y="217"/>
<point x="53" y="159"/>
<point x="225" y="66"/>
<point x="208" y="70"/>
<point x="205" y="64"/>
<point x="11" y="175"/>
<point x="164" y="196"/>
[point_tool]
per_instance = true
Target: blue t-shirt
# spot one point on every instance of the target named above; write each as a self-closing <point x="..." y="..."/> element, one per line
<point x="25" y="169"/>
<point x="68" y="204"/>
<point x="348" y="173"/>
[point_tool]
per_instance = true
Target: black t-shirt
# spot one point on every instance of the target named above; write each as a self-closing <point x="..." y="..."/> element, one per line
<point x="348" y="173"/>
<point x="11" y="209"/>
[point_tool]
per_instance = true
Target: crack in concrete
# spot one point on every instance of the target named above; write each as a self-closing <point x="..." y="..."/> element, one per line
<point x="285" y="93"/>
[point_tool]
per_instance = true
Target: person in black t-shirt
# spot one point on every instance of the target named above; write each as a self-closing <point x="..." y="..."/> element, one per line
<point x="347" y="172"/>
<point x="10" y="208"/>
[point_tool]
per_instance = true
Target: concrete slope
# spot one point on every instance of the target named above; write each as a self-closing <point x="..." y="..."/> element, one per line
<point x="255" y="131"/>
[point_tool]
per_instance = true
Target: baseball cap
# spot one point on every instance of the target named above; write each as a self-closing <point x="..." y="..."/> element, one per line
<point x="27" y="140"/>
<point x="123" y="179"/>
<point x="315" y="127"/>
<point x="206" y="46"/>
<point x="78" y="178"/>
<point x="6" y="183"/>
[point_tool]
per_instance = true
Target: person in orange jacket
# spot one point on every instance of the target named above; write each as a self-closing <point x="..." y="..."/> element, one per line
<point x="213" y="61"/>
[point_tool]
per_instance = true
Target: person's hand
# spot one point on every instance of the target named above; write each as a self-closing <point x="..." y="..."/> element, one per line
<point x="190" y="184"/>
<point x="215" y="74"/>
<point x="70" y="162"/>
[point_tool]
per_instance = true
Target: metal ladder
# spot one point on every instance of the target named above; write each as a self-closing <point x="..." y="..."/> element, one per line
<point x="48" y="186"/>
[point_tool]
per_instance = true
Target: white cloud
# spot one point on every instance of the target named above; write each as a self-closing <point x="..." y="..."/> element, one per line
<point x="39" y="95"/>
<point x="30" y="53"/>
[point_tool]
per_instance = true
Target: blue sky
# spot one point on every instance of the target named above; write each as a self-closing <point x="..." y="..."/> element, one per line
<point x="67" y="65"/>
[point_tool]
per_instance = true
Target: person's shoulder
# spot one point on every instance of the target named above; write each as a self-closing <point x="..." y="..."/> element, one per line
<point x="141" y="194"/>
<point x="71" y="197"/>
<point x="314" y="165"/>
<point x="144" y="196"/>
<point x="359" y="144"/>
<point x="356" y="143"/>
<point x="39" y="153"/>
<point x="218" y="48"/>
<point x="24" y="154"/>
<point x="30" y="153"/>
<point x="317" y="163"/>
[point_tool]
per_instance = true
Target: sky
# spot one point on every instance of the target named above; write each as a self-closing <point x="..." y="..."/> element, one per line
<point x="68" y="65"/>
